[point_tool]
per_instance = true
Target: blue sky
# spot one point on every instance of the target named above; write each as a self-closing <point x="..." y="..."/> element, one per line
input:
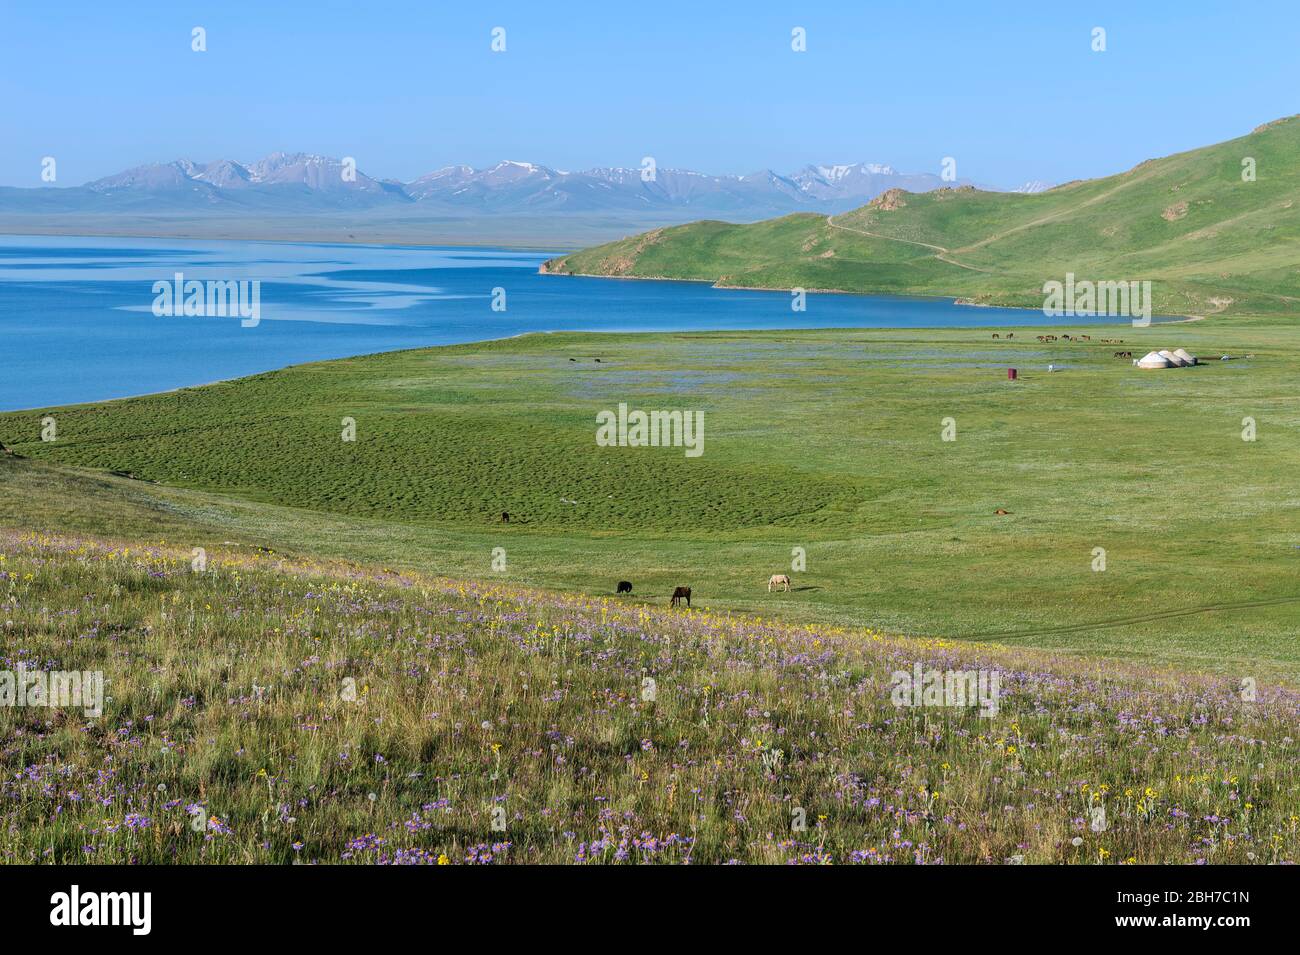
<point x="1012" y="90"/>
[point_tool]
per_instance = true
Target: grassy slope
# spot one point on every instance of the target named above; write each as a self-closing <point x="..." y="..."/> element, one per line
<point x="1208" y="241"/>
<point x="233" y="735"/>
<point x="822" y="440"/>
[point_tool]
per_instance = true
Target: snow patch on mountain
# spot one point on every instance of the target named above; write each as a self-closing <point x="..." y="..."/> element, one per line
<point x="301" y="181"/>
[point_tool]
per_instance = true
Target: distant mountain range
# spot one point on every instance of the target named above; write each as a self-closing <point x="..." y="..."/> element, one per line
<point x="298" y="183"/>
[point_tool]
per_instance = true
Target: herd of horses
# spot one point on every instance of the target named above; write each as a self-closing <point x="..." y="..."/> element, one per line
<point x="681" y="594"/>
<point x="1049" y="339"/>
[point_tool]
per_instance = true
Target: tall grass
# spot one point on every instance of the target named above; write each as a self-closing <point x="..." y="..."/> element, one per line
<point x="270" y="711"/>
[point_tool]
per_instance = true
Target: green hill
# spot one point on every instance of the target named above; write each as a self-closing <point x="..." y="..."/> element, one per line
<point x="1210" y="240"/>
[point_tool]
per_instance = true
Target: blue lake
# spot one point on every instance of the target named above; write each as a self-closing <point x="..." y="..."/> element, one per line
<point x="77" y="322"/>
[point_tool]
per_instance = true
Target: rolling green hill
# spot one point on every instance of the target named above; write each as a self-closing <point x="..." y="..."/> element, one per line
<point x="1209" y="240"/>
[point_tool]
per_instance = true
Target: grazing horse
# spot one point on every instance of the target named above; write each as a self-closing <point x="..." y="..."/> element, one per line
<point x="680" y="594"/>
<point x="625" y="586"/>
<point x="778" y="580"/>
<point x="505" y="518"/>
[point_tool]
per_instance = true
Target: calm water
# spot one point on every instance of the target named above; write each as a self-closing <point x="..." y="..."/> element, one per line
<point x="76" y="321"/>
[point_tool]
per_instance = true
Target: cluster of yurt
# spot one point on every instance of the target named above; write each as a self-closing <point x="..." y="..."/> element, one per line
<point x="1178" y="358"/>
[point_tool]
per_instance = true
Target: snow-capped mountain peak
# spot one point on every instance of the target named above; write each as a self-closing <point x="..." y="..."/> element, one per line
<point x="302" y="181"/>
<point x="840" y="172"/>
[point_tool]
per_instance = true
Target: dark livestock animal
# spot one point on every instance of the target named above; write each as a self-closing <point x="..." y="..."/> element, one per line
<point x="680" y="594"/>
<point x="625" y="586"/>
<point x="505" y="518"/>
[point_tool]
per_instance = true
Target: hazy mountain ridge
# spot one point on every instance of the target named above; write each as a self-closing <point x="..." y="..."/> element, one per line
<point x="301" y="182"/>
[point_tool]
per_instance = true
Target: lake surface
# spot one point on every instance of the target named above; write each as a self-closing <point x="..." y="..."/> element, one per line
<point x="77" y="321"/>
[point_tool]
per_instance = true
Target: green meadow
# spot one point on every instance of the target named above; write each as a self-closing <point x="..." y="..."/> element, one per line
<point x="828" y="444"/>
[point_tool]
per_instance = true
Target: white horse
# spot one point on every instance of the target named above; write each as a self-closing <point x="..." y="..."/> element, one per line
<point x="778" y="580"/>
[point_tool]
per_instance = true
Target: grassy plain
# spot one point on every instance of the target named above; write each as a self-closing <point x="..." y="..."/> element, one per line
<point x="828" y="441"/>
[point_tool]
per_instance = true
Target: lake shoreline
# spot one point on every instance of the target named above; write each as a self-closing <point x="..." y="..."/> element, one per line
<point x="950" y="299"/>
<point x="75" y="310"/>
<point x="506" y="338"/>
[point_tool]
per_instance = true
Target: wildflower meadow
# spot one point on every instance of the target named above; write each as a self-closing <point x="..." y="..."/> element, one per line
<point x="263" y="709"/>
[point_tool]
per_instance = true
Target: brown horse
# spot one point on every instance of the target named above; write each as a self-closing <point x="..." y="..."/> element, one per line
<point x="680" y="594"/>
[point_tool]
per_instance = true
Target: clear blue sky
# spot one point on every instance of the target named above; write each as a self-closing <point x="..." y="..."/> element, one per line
<point x="1012" y="90"/>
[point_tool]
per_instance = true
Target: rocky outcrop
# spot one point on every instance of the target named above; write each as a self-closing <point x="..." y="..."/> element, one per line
<point x="1175" y="212"/>
<point x="889" y="200"/>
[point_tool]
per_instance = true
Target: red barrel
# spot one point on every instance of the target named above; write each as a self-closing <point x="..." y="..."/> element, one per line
<point x="1011" y="374"/>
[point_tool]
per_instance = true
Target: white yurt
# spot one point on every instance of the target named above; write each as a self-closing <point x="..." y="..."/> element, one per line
<point x="1185" y="355"/>
<point x="1173" y="359"/>
<point x="1154" y="360"/>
